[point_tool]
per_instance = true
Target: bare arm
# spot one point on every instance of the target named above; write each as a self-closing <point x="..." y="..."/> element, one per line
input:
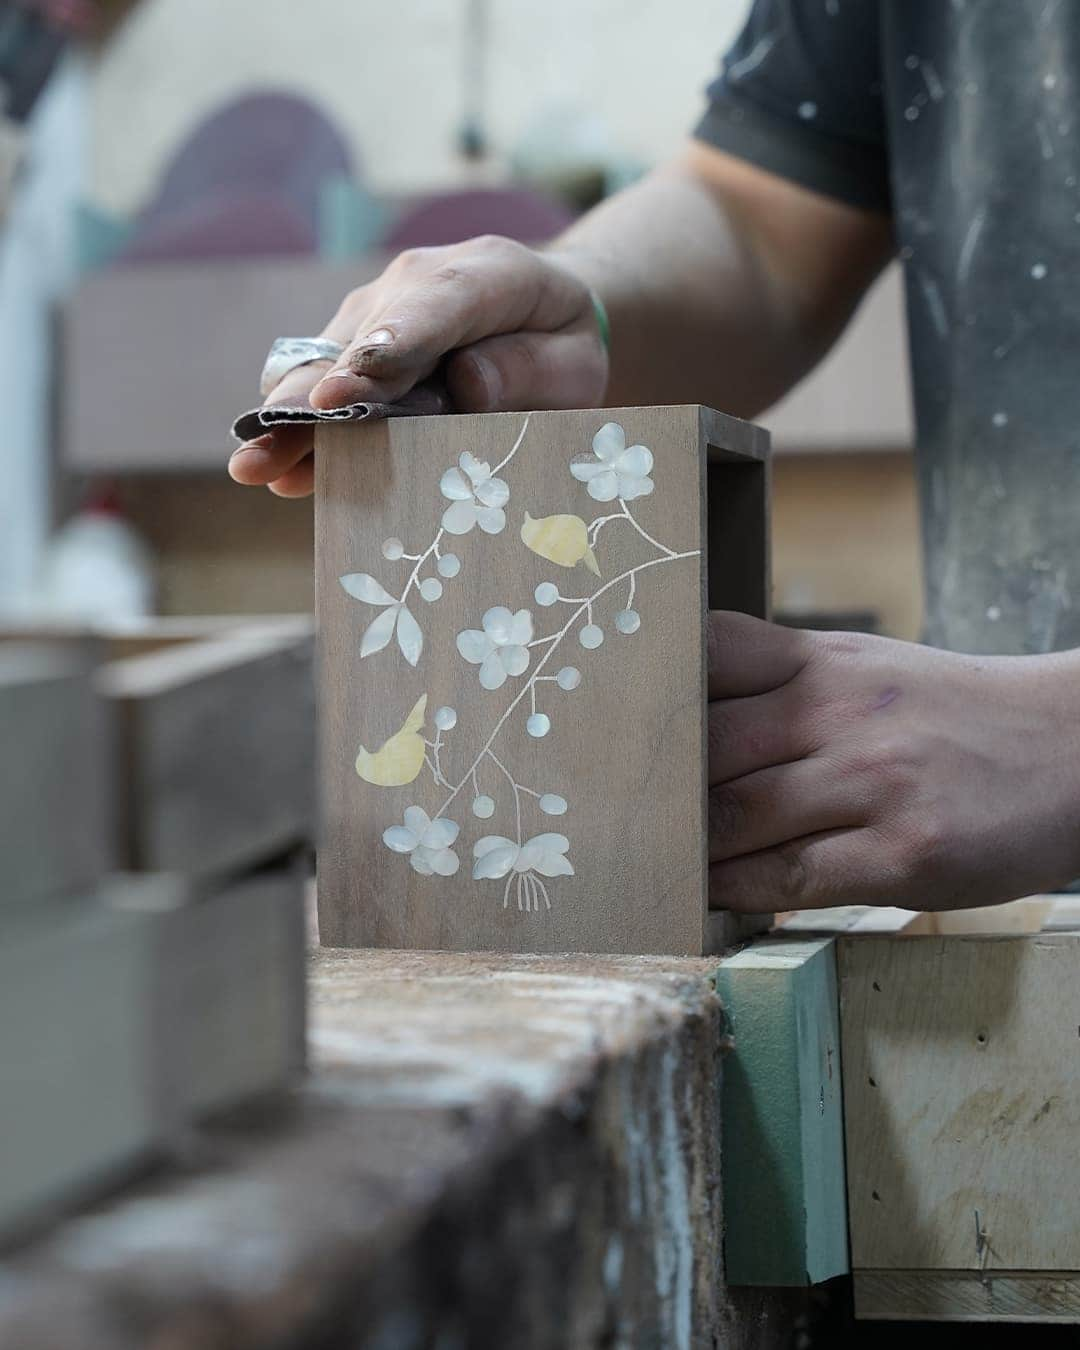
<point x="724" y="284"/>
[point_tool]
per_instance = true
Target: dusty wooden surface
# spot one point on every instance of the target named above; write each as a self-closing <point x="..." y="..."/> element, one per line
<point x="619" y="753"/>
<point x="492" y="1151"/>
<point x="962" y="1101"/>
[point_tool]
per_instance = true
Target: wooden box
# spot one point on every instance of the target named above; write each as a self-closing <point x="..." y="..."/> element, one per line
<point x="512" y="673"/>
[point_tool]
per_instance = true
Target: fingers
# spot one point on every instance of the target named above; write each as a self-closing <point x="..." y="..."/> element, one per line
<point x="809" y="873"/>
<point x="777" y="805"/>
<point x="299" y="481"/>
<point x="749" y="656"/>
<point x="521" y="326"/>
<point x="429" y="306"/>
<point x="745" y="734"/>
<point x="517" y="371"/>
<point x="267" y="458"/>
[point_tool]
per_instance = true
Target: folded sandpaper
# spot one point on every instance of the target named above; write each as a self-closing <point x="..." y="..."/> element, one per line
<point x="426" y="400"/>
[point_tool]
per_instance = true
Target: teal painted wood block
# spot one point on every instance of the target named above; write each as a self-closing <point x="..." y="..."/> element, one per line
<point x="785" y="1210"/>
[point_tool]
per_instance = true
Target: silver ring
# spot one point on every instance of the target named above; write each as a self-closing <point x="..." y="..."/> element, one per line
<point x="286" y="354"/>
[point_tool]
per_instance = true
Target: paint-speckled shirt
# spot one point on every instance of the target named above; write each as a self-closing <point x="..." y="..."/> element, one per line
<point x="962" y="119"/>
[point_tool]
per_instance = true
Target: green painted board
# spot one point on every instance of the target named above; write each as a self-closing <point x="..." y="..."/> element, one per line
<point x="785" y="1212"/>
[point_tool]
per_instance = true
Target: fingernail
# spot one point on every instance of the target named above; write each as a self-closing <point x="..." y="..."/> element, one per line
<point x="382" y="337"/>
<point x="245" y="449"/>
<point x="491" y="379"/>
<point x="336" y="375"/>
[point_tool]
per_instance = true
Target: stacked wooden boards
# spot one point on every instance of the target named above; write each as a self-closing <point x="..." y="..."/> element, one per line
<point x="134" y="1002"/>
<point x="512" y="615"/>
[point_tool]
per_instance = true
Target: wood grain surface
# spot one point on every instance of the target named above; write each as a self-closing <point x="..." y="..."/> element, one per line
<point x="624" y="749"/>
<point x="962" y="1101"/>
<point x="966" y="1296"/>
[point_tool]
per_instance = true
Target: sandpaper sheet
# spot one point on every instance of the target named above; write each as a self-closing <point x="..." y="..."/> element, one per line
<point x="426" y="400"/>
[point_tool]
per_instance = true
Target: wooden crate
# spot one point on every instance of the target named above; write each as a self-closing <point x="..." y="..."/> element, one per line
<point x="215" y="749"/>
<point x="961" y="1066"/>
<point x="473" y="795"/>
<point x="187" y="747"/>
<point x="131" y="1012"/>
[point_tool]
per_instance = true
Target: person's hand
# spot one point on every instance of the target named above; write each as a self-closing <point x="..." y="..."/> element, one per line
<point x="517" y="329"/>
<point x="847" y="769"/>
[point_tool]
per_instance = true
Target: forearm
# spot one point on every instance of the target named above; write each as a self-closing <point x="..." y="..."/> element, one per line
<point x="724" y="284"/>
<point x="717" y="285"/>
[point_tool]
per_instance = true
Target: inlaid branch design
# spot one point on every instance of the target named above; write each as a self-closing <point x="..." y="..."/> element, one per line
<point x="506" y="648"/>
<point x="477" y="496"/>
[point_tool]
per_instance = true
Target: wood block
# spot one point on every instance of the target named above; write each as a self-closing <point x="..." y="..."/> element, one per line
<point x="55" y="820"/>
<point x="785" y="1217"/>
<point x="961" y="1102"/>
<point x="522" y="664"/>
<point x="1015" y="916"/>
<point x="215" y="751"/>
<point x="848" y="919"/>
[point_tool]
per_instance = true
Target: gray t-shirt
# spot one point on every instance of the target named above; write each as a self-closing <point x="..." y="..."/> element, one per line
<point x="961" y="119"/>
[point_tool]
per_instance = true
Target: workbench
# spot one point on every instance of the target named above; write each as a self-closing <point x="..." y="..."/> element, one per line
<point x="491" y="1150"/>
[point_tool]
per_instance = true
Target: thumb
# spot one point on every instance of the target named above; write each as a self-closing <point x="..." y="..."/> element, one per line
<point x="749" y="656"/>
<point x="518" y="371"/>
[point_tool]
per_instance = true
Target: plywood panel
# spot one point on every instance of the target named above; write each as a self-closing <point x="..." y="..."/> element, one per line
<point x="965" y="1296"/>
<point x="962" y="1101"/>
<point x="624" y="751"/>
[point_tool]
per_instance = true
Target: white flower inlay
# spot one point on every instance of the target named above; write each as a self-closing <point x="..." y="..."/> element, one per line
<point x="476" y="497"/>
<point x="618" y="470"/>
<point x="495" y="856"/>
<point x="502" y="648"/>
<point x="426" y="841"/>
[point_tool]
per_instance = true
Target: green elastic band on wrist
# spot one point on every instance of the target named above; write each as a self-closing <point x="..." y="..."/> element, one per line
<point x="602" y="321"/>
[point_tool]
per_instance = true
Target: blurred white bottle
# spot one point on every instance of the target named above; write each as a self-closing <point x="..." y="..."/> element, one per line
<point x="97" y="567"/>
